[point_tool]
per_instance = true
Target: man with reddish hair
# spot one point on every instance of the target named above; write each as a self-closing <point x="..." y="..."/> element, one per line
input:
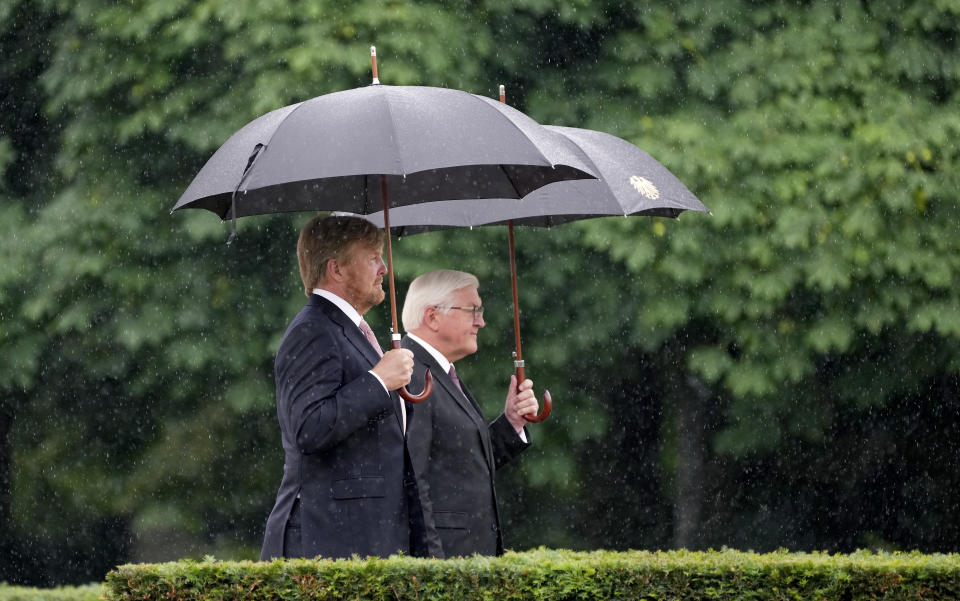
<point x="347" y="487"/>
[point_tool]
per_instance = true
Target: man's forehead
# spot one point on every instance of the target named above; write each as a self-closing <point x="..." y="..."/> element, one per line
<point x="467" y="292"/>
<point x="361" y="247"/>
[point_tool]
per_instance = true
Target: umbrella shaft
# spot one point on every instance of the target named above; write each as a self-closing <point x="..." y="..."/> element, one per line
<point x="518" y="354"/>
<point x="516" y="303"/>
<point x="395" y="338"/>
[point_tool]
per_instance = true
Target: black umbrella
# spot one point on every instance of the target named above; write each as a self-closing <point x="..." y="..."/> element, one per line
<point x="630" y="183"/>
<point x="358" y="150"/>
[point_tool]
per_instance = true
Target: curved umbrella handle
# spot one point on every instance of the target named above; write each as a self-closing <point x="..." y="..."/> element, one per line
<point x="547" y="401"/>
<point x="427" y="389"/>
<point x="395" y="337"/>
<point x="427" y="382"/>
<point x="545" y="413"/>
<point x="518" y="353"/>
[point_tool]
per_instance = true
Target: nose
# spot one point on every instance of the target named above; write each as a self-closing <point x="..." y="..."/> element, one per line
<point x="382" y="267"/>
<point x="479" y="321"/>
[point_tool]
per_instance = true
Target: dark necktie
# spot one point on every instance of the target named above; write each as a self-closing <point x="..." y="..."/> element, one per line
<point x="452" y="372"/>
<point x="368" y="334"/>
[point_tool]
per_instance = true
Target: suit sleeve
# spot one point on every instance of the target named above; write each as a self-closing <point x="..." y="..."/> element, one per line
<point x="507" y="444"/>
<point x="420" y="433"/>
<point x="320" y="407"/>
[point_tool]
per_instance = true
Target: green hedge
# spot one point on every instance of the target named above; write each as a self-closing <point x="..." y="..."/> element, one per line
<point x="553" y="575"/>
<point x="88" y="592"/>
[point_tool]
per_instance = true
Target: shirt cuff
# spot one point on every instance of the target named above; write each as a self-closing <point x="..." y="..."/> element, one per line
<point x="380" y="380"/>
<point x="523" y="435"/>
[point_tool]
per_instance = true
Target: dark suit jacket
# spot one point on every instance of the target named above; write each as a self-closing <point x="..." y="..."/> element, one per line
<point x="455" y="456"/>
<point x="344" y="449"/>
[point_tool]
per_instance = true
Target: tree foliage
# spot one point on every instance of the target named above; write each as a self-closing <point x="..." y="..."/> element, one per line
<point x="781" y="373"/>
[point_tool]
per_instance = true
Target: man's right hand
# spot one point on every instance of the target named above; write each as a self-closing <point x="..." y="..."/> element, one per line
<point x="395" y="368"/>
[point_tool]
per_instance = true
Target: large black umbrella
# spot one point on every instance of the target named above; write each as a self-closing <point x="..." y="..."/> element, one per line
<point x="364" y="149"/>
<point x="629" y="183"/>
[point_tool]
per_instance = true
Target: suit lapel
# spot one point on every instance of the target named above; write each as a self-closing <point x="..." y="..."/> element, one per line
<point x="469" y="395"/>
<point x="463" y="399"/>
<point x="481" y="424"/>
<point x="350" y="331"/>
<point x="355" y="337"/>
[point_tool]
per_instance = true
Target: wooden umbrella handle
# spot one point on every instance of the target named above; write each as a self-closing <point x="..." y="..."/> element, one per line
<point x="547" y="401"/>
<point x="427" y="389"/>
<point x="427" y="384"/>
<point x="394" y="336"/>
<point x="394" y="331"/>
<point x="545" y="413"/>
<point x="518" y="353"/>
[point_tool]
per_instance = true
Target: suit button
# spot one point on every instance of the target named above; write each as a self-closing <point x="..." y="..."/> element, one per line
<point x="493" y="527"/>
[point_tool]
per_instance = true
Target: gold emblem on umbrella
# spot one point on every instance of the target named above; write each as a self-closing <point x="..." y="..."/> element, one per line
<point x="645" y="187"/>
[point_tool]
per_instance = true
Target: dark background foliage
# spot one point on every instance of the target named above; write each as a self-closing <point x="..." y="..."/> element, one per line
<point x="783" y="373"/>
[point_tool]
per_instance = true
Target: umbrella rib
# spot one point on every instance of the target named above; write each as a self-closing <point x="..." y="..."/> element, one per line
<point x="491" y="107"/>
<point x="584" y="155"/>
<point x="249" y="170"/>
<point x="509" y="177"/>
<point x="396" y="139"/>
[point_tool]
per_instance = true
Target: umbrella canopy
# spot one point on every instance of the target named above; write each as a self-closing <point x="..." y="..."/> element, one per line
<point x="630" y="183"/>
<point x="431" y="144"/>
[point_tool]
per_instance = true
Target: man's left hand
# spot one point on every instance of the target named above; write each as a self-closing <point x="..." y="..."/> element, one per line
<point x="521" y="401"/>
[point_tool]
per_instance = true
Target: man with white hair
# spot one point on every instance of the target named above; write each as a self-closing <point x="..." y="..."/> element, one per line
<point x="454" y="452"/>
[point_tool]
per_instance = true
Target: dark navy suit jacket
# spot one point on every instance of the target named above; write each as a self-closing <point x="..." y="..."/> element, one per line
<point x="455" y="456"/>
<point x="344" y="448"/>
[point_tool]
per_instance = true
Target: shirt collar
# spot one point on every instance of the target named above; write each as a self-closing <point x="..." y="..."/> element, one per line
<point x="343" y="305"/>
<point x="443" y="361"/>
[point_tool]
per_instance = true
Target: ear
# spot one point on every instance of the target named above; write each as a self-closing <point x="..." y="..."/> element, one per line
<point x="431" y="318"/>
<point x="333" y="270"/>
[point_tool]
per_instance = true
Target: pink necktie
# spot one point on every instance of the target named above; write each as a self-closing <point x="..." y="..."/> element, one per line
<point x="452" y="372"/>
<point x="368" y="333"/>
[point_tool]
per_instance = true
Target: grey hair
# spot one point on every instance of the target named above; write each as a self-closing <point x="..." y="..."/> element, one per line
<point x="433" y="289"/>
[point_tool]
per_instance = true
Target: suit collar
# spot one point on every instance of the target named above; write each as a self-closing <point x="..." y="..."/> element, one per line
<point x="464" y="399"/>
<point x="350" y="330"/>
<point x="438" y="357"/>
<point x="352" y="314"/>
<point x="354" y="336"/>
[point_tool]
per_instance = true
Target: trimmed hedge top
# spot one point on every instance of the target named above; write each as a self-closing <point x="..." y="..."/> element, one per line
<point x="86" y="592"/>
<point x="554" y="575"/>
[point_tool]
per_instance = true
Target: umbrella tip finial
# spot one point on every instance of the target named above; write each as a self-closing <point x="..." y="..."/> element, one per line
<point x="373" y="59"/>
<point x="503" y="93"/>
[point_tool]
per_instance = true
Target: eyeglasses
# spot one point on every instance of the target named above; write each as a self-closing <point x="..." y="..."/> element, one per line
<point x="476" y="310"/>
